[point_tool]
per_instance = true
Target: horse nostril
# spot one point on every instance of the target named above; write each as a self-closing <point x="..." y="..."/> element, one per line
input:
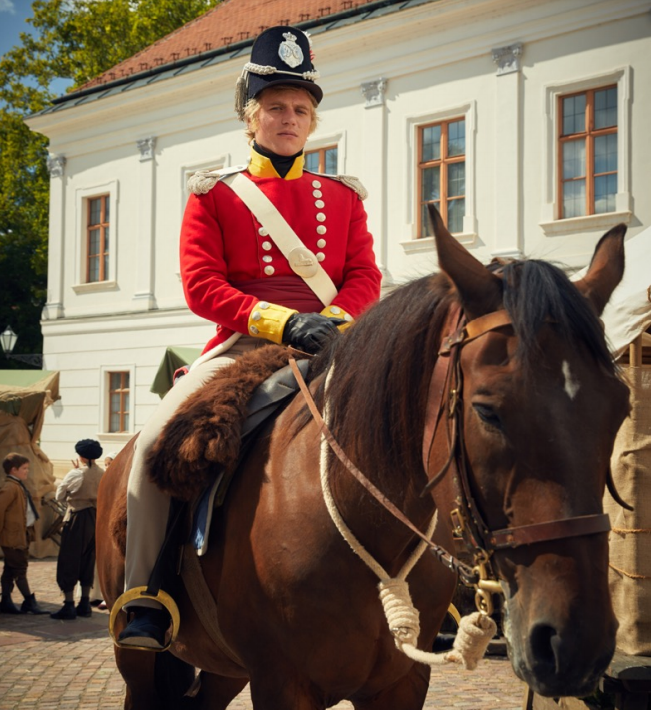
<point x="545" y="646"/>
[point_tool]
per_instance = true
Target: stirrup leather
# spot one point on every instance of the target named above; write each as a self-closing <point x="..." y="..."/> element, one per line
<point x="163" y="598"/>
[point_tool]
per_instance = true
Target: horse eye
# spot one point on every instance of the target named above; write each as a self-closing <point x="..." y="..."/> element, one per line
<point x="488" y="415"/>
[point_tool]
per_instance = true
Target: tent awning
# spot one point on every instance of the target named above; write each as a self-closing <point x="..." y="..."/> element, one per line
<point x="175" y="357"/>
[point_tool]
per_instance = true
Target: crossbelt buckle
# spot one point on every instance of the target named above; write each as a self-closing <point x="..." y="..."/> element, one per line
<point x="163" y="598"/>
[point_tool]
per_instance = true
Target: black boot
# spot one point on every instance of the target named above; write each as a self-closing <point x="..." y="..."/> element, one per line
<point x="30" y="606"/>
<point x="66" y="612"/>
<point x="7" y="606"/>
<point x="146" y="628"/>
<point x="84" y="608"/>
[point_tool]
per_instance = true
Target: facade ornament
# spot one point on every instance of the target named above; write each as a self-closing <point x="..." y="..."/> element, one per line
<point x="374" y="91"/>
<point x="56" y="165"/>
<point x="146" y="147"/>
<point x="508" y="58"/>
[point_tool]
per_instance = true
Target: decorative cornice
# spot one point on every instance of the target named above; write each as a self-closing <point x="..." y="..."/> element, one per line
<point x="146" y="147"/>
<point x="56" y="165"/>
<point x="374" y="91"/>
<point x="508" y="58"/>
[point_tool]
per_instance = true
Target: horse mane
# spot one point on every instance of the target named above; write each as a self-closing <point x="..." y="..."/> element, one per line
<point x="378" y="394"/>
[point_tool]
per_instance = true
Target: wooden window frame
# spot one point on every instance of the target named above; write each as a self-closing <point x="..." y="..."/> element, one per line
<point x="103" y="253"/>
<point x="444" y="162"/>
<point x="588" y="134"/>
<point x="321" y="152"/>
<point x="123" y="392"/>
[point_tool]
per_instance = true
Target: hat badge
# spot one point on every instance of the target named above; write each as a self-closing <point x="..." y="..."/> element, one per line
<point x="289" y="51"/>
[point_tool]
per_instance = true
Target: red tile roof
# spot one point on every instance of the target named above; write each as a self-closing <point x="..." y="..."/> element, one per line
<point x="230" y="22"/>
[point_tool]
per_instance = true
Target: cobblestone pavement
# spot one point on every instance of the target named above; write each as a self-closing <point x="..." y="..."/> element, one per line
<point x="47" y="664"/>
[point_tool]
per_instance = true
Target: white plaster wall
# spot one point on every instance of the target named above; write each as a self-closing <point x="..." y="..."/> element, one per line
<point x="436" y="58"/>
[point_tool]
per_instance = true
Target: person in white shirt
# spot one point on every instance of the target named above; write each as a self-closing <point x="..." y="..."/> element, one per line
<point x="76" y="562"/>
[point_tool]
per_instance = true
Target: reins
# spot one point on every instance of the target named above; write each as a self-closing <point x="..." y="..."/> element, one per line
<point x="445" y="406"/>
<point x="464" y="571"/>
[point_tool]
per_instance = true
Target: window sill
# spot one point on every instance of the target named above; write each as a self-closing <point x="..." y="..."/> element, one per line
<point x="427" y="244"/>
<point x="121" y="437"/>
<point x="96" y="287"/>
<point x="562" y="227"/>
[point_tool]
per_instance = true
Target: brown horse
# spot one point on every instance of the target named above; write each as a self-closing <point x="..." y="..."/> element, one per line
<point x="534" y="408"/>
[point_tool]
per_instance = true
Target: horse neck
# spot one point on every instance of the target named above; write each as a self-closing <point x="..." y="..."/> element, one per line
<point x="388" y="540"/>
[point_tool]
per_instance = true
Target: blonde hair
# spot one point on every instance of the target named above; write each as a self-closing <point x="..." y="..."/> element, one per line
<point x="253" y="106"/>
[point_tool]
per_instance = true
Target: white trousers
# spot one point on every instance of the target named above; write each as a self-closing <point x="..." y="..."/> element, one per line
<point x="147" y="506"/>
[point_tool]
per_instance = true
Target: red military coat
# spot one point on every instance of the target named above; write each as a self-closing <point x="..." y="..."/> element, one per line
<point x="229" y="264"/>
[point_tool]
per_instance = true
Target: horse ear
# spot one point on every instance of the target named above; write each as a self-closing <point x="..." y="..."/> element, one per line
<point x="479" y="290"/>
<point x="606" y="268"/>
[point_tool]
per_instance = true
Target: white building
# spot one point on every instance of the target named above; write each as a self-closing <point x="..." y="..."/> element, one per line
<point x="510" y="85"/>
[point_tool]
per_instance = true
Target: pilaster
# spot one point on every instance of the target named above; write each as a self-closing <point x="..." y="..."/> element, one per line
<point x="143" y="297"/>
<point x="375" y="159"/>
<point x="508" y="240"/>
<point x="53" y="308"/>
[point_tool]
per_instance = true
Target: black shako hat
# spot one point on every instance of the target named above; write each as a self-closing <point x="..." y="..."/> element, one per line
<point x="280" y="55"/>
<point x="89" y="449"/>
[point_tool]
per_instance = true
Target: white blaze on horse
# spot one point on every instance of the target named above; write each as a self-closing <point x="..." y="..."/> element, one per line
<point x="494" y="391"/>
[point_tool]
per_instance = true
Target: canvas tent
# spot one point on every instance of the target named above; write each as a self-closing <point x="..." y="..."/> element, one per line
<point x="175" y="357"/>
<point x="24" y="395"/>
<point x="626" y="319"/>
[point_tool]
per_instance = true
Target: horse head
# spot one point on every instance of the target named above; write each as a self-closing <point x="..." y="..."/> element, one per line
<point x="540" y="405"/>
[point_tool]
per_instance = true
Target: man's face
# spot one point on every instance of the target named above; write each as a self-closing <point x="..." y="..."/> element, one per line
<point x="284" y="120"/>
<point x="21" y="472"/>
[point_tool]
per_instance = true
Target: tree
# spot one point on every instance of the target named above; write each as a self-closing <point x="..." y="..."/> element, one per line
<point x="75" y="40"/>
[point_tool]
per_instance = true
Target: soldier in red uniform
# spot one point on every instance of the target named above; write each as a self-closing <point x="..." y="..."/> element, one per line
<point x="244" y="270"/>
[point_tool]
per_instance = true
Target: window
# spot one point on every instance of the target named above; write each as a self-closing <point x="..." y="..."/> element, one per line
<point x="97" y="239"/>
<point x="442" y="174"/>
<point x="323" y="160"/>
<point x="588" y="152"/>
<point x="118" y="401"/>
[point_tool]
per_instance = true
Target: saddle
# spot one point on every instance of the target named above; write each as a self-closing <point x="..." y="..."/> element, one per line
<point x="199" y="450"/>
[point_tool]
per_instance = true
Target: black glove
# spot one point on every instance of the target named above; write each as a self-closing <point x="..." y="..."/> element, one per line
<point x="309" y="332"/>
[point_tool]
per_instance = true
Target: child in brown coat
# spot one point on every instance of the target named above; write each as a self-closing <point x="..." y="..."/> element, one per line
<point x="17" y="517"/>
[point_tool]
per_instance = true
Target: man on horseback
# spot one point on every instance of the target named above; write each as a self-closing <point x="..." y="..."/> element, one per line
<point x="270" y="253"/>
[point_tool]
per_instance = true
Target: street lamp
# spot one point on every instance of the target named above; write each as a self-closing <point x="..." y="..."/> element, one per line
<point x="8" y="340"/>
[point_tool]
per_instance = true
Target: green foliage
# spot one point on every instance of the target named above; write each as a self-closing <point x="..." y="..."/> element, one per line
<point x="75" y="40"/>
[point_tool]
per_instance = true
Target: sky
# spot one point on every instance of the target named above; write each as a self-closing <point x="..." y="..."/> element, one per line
<point x="13" y="16"/>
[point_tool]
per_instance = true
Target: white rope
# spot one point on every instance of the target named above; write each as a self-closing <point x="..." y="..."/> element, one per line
<point x="475" y="631"/>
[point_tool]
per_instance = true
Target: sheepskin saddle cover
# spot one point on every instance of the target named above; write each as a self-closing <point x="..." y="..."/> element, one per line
<point x="204" y="436"/>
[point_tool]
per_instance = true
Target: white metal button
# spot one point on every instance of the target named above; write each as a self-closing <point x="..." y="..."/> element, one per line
<point x="320" y="217"/>
<point x="320" y="256"/>
<point x="335" y="310"/>
<point x="269" y="270"/>
<point x="256" y="315"/>
<point x="266" y="246"/>
<point x="317" y="193"/>
<point x="264" y="305"/>
<point x="348" y="317"/>
<point x="267" y="259"/>
<point x="316" y="183"/>
<point x="321" y="229"/>
<point x="321" y="243"/>
<point x="320" y="204"/>
<point x="254" y="330"/>
<point x="262" y="232"/>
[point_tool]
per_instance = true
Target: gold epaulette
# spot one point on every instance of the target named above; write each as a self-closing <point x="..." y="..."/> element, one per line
<point x="203" y="181"/>
<point x="350" y="181"/>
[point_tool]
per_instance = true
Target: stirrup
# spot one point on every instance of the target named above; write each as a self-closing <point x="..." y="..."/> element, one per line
<point x="163" y="598"/>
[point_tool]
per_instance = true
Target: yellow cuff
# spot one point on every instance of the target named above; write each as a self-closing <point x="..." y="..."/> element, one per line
<point x="338" y="312"/>
<point x="267" y="320"/>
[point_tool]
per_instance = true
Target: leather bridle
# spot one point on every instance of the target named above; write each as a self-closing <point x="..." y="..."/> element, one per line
<point x="477" y="531"/>
<point x="445" y="408"/>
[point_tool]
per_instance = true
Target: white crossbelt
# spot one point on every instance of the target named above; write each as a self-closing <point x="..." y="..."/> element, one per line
<point x="302" y="261"/>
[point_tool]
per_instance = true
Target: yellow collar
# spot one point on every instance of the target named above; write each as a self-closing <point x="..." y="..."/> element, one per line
<point x="261" y="166"/>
